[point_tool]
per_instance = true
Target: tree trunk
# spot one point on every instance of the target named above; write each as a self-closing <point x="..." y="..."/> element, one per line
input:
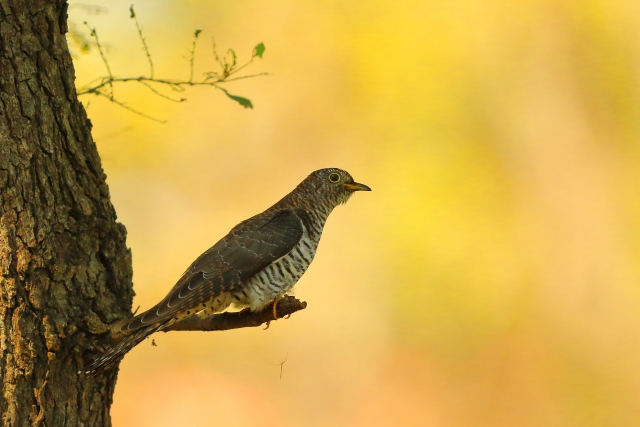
<point x="65" y="268"/>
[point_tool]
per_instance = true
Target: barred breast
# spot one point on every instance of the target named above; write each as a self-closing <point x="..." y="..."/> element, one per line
<point x="276" y="279"/>
<point x="272" y="282"/>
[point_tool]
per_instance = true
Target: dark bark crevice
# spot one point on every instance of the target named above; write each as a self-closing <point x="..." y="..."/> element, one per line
<point x="63" y="257"/>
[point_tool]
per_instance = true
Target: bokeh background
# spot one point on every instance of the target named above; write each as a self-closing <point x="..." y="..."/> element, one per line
<point x="492" y="276"/>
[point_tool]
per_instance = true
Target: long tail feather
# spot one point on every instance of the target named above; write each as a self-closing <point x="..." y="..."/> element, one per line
<point x="116" y="353"/>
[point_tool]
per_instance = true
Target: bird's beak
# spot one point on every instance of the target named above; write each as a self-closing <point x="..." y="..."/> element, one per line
<point x="355" y="186"/>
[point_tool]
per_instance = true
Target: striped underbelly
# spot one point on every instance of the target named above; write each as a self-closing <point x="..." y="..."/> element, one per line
<point x="276" y="279"/>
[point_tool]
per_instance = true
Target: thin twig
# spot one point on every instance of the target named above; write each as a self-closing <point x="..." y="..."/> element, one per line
<point x="247" y="77"/>
<point x="160" y="94"/>
<point x="215" y="53"/>
<point x="168" y="82"/>
<point x="228" y="68"/>
<point x="192" y="58"/>
<point x="242" y="66"/>
<point x="104" y="58"/>
<point x="141" y="79"/>
<point x="126" y="107"/>
<point x="144" y="42"/>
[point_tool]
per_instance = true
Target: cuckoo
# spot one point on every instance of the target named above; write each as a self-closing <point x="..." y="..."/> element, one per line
<point x="251" y="267"/>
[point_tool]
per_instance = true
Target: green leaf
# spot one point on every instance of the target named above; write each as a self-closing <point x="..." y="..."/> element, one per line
<point x="240" y="100"/>
<point x="133" y="14"/>
<point x="258" y="50"/>
<point x="197" y="33"/>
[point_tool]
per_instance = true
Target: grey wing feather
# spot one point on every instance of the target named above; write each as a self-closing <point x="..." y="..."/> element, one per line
<point x="248" y="248"/>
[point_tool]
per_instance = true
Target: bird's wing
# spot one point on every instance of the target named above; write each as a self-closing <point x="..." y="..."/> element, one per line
<point x="248" y="248"/>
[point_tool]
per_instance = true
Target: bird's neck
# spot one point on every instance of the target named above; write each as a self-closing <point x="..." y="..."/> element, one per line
<point x="314" y="210"/>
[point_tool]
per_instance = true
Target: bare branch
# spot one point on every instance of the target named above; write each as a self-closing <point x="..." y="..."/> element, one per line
<point x="223" y="321"/>
<point x="215" y="53"/>
<point x="241" y="67"/>
<point x="94" y="34"/>
<point x="160" y="94"/>
<point x="248" y="76"/>
<point x="144" y="42"/>
<point x="192" y="58"/>
<point x="243" y="319"/>
<point x="228" y="68"/>
<point x="126" y="107"/>
<point x="174" y="84"/>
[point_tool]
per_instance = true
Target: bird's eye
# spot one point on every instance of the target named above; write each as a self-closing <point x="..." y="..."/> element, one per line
<point x="334" y="177"/>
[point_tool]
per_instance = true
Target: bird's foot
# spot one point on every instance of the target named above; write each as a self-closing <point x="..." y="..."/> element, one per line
<point x="274" y="311"/>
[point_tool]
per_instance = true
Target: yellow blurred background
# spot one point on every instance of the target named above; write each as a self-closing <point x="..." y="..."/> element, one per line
<point x="490" y="279"/>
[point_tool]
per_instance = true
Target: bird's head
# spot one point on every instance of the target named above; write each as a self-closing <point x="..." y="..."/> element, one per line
<point x="331" y="186"/>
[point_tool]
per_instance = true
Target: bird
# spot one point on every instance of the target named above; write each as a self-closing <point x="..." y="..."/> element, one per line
<point x="253" y="266"/>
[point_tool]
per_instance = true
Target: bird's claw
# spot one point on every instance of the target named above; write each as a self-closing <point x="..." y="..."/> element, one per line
<point x="274" y="311"/>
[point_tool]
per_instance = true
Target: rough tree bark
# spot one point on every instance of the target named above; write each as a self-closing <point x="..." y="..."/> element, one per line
<point x="65" y="270"/>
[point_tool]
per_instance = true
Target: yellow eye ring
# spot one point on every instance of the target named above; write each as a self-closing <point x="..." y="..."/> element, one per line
<point x="334" y="177"/>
